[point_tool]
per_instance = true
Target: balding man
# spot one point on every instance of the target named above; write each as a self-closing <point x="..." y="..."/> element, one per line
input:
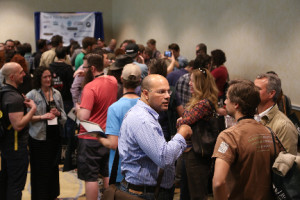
<point x="13" y="145"/>
<point x="112" y="46"/>
<point x="142" y="147"/>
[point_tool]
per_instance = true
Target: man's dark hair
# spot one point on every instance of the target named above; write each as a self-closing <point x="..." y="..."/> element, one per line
<point x="202" y="47"/>
<point x="148" y="51"/>
<point x="218" y="57"/>
<point x="158" y="66"/>
<point x="56" y="40"/>
<point x="191" y="63"/>
<point x="9" y="40"/>
<point x="37" y="76"/>
<point x="17" y="42"/>
<point x="202" y="61"/>
<point x="116" y="73"/>
<point x="245" y="94"/>
<point x="99" y="51"/>
<point x="41" y="43"/>
<point x="174" y="47"/>
<point x="152" y="42"/>
<point x="129" y="84"/>
<point x="27" y="47"/>
<point x="20" y="50"/>
<point x="61" y="52"/>
<point x="128" y="41"/>
<point x="95" y="60"/>
<point x="141" y="48"/>
<point x="88" y="41"/>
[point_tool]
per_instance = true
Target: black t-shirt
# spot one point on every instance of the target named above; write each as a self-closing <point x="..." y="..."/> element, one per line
<point x="13" y="101"/>
<point x="62" y="79"/>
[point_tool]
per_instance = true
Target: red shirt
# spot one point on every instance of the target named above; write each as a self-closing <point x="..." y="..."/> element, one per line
<point x="96" y="97"/>
<point x="221" y="75"/>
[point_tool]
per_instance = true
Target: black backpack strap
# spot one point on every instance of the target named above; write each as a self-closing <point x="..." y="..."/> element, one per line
<point x="114" y="169"/>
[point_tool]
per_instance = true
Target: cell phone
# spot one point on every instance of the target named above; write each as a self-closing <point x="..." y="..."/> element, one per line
<point x="168" y="54"/>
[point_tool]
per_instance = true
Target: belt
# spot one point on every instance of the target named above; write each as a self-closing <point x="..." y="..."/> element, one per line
<point x="140" y="188"/>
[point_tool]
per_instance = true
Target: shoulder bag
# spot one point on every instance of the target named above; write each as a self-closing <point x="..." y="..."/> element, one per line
<point x="114" y="193"/>
<point x="205" y="133"/>
<point x="285" y="174"/>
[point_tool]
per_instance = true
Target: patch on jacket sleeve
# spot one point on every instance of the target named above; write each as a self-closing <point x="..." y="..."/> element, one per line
<point x="223" y="147"/>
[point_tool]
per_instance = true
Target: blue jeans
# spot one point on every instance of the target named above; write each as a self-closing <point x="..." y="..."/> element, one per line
<point x="164" y="194"/>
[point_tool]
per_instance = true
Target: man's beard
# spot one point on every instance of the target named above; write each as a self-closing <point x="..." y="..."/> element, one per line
<point x="88" y="77"/>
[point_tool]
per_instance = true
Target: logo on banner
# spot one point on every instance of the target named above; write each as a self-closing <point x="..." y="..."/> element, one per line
<point x="68" y="25"/>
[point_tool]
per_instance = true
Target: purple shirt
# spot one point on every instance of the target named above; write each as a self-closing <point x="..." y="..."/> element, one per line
<point x="175" y="75"/>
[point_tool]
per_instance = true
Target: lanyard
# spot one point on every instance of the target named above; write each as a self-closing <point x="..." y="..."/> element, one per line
<point x="42" y="93"/>
<point x="99" y="75"/>
<point x="128" y="93"/>
<point x="245" y="117"/>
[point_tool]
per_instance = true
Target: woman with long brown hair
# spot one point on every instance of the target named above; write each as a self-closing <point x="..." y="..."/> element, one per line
<point x="202" y="106"/>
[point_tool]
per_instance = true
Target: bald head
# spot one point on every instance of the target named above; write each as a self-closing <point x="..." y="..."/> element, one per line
<point x="9" y="68"/>
<point x="13" y="73"/>
<point x="113" y="44"/>
<point x="156" y="92"/>
<point x="150" y="80"/>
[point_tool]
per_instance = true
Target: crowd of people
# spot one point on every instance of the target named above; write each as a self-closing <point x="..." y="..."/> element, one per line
<point x="152" y="107"/>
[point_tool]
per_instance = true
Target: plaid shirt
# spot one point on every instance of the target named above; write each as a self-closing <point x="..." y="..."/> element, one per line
<point x="200" y="110"/>
<point x="183" y="89"/>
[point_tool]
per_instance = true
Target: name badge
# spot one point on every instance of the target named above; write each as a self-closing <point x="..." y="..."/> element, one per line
<point x="52" y="121"/>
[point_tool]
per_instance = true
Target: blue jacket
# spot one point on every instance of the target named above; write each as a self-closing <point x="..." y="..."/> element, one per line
<point x="37" y="130"/>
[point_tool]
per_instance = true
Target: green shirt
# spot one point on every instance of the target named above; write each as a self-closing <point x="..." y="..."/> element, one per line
<point x="79" y="60"/>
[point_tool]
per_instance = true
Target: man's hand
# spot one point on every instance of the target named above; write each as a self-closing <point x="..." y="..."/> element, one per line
<point x="30" y="103"/>
<point x="185" y="131"/>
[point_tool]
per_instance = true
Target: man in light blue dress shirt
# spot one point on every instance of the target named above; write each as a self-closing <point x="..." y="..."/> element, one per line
<point x="142" y="147"/>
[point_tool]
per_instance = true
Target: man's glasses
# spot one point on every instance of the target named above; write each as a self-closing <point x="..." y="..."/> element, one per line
<point x="161" y="92"/>
<point x="84" y="67"/>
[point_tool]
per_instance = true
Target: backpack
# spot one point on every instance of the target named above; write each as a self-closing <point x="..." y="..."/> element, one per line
<point x="3" y="128"/>
<point x="205" y="133"/>
<point x="172" y="113"/>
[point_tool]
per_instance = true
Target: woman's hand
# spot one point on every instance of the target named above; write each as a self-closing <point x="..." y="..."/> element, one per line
<point x="222" y="111"/>
<point x="55" y="112"/>
<point x="179" y="119"/>
<point x="47" y="116"/>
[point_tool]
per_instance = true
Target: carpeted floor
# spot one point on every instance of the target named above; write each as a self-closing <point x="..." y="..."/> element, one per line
<point x="71" y="188"/>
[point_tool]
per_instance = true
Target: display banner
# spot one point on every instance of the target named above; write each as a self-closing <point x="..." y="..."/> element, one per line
<point x="73" y="26"/>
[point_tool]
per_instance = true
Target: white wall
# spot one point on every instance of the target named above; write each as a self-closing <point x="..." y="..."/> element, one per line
<point x="17" y="16"/>
<point x="257" y="35"/>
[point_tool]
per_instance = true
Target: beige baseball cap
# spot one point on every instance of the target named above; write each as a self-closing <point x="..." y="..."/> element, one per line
<point x="131" y="72"/>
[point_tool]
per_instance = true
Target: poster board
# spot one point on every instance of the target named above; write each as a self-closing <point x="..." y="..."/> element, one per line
<point x="74" y="26"/>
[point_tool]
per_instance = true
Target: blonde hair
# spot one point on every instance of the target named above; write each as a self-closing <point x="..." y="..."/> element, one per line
<point x="204" y="88"/>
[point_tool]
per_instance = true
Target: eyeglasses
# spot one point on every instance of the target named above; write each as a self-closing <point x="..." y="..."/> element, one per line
<point x="161" y="92"/>
<point x="84" y="67"/>
<point x="203" y="72"/>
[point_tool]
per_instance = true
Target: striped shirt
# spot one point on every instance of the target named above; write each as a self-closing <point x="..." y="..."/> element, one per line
<point x="143" y="148"/>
